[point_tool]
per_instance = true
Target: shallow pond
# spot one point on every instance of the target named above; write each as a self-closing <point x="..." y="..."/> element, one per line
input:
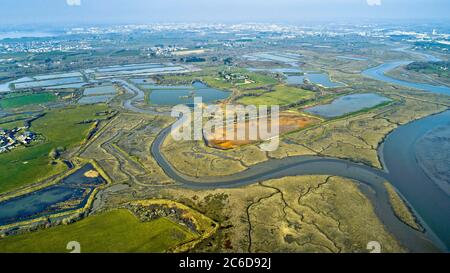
<point x="95" y="99"/>
<point x="128" y="67"/>
<point x="43" y="83"/>
<point x="150" y="71"/>
<point x="71" y="193"/>
<point x="56" y="76"/>
<point x="67" y="86"/>
<point x="175" y="96"/>
<point x="316" y="78"/>
<point x="347" y="104"/>
<point x="100" y="90"/>
<point x="294" y="80"/>
<point x="173" y="87"/>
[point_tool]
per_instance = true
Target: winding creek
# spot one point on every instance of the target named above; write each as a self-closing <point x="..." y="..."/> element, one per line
<point x="430" y="204"/>
<point x="379" y="73"/>
<point x="400" y="167"/>
<point x="373" y="178"/>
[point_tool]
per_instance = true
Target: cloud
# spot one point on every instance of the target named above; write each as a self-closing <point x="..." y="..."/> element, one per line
<point x="73" y="2"/>
<point x="374" y="2"/>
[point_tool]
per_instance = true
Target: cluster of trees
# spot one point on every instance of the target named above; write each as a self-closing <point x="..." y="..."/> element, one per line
<point x="420" y="66"/>
<point x="441" y="69"/>
<point x="193" y="60"/>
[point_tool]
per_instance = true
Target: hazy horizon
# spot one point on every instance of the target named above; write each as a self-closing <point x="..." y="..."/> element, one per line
<point x="14" y="12"/>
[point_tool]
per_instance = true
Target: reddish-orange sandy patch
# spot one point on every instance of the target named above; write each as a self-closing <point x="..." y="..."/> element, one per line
<point x="288" y="122"/>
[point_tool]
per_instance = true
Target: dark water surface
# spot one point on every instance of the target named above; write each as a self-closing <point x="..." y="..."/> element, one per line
<point x="75" y="188"/>
<point x="378" y="73"/>
<point x="182" y="95"/>
<point x="430" y="203"/>
<point x="405" y="173"/>
<point x="347" y="104"/>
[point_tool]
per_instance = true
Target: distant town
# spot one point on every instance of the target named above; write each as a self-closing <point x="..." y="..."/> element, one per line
<point x="362" y="115"/>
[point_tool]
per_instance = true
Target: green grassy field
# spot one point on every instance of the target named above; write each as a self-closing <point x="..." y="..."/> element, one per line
<point x="114" y="231"/>
<point x="14" y="121"/>
<point x="11" y="125"/>
<point x="210" y="77"/>
<point x="23" y="100"/>
<point x="282" y="95"/>
<point x="400" y="208"/>
<point x="258" y="80"/>
<point x="60" y="128"/>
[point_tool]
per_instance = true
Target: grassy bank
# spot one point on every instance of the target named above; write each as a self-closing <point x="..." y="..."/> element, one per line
<point x="16" y="101"/>
<point x="400" y="208"/>
<point x="58" y="128"/>
<point x="114" y="231"/>
<point x="282" y="95"/>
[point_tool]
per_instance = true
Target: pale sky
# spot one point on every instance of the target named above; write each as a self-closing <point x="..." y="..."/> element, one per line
<point x="149" y="11"/>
